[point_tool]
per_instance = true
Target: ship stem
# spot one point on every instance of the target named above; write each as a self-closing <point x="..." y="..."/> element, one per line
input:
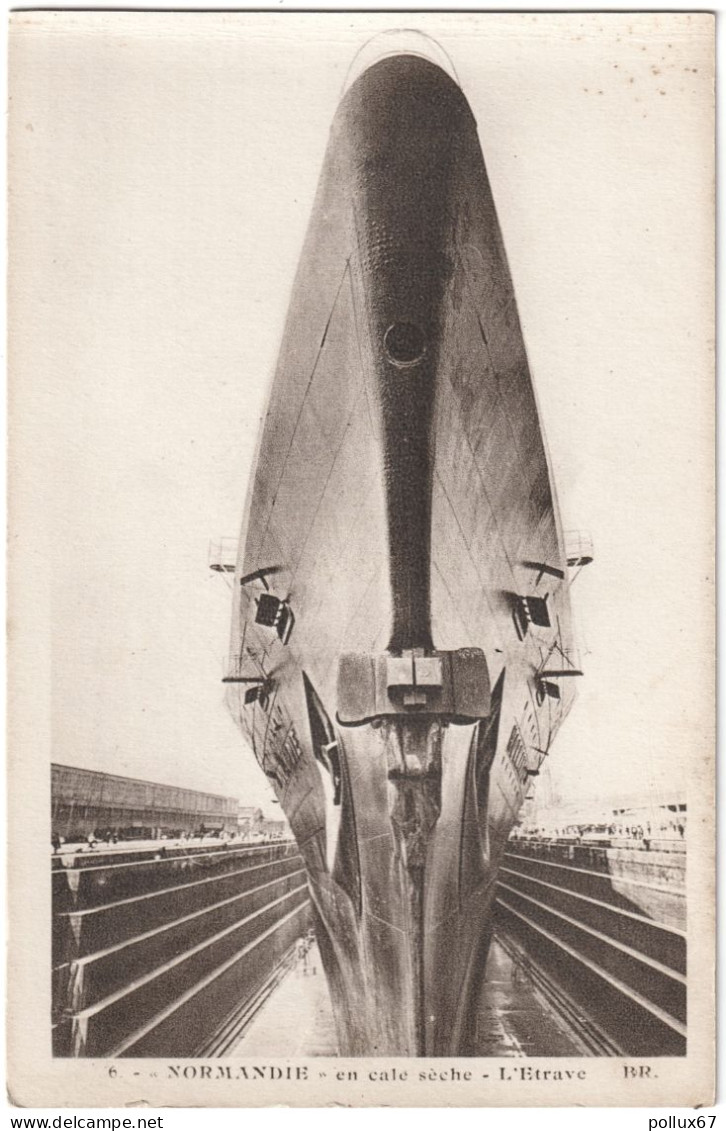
<point x="414" y="776"/>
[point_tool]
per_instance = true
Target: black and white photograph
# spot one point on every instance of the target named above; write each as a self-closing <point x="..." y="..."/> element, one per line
<point x="361" y="558"/>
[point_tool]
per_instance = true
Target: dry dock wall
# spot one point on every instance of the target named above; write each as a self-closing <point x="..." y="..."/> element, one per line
<point x="154" y="951"/>
<point x="606" y="924"/>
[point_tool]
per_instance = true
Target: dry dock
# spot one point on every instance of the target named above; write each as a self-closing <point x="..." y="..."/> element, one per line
<point x="196" y="951"/>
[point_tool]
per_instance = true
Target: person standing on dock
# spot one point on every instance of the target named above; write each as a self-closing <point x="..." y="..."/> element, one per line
<point x="300" y="953"/>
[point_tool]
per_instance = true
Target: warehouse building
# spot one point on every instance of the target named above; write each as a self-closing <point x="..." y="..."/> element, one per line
<point x="87" y="802"/>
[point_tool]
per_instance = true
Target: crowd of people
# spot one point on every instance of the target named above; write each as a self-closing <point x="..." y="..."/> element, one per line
<point x="108" y="838"/>
<point x="643" y="832"/>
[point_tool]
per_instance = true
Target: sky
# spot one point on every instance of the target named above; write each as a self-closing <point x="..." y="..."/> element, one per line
<point x="162" y="173"/>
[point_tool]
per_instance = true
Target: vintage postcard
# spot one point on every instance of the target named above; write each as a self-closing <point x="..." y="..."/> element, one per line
<point x="361" y="549"/>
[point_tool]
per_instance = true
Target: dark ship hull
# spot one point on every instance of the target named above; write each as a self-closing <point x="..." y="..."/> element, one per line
<point x="401" y="626"/>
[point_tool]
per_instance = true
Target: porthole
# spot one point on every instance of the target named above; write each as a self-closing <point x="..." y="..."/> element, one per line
<point x="404" y="343"/>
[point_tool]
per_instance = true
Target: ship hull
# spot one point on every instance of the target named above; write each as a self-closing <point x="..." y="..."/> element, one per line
<point x="402" y="515"/>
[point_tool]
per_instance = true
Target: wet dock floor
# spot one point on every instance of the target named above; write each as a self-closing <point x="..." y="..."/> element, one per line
<point x="515" y="1019"/>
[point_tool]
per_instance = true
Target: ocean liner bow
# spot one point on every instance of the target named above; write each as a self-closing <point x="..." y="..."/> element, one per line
<point x="390" y="627"/>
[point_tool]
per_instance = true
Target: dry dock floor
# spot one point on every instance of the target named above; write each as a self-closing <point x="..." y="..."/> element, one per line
<point x="514" y="1018"/>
